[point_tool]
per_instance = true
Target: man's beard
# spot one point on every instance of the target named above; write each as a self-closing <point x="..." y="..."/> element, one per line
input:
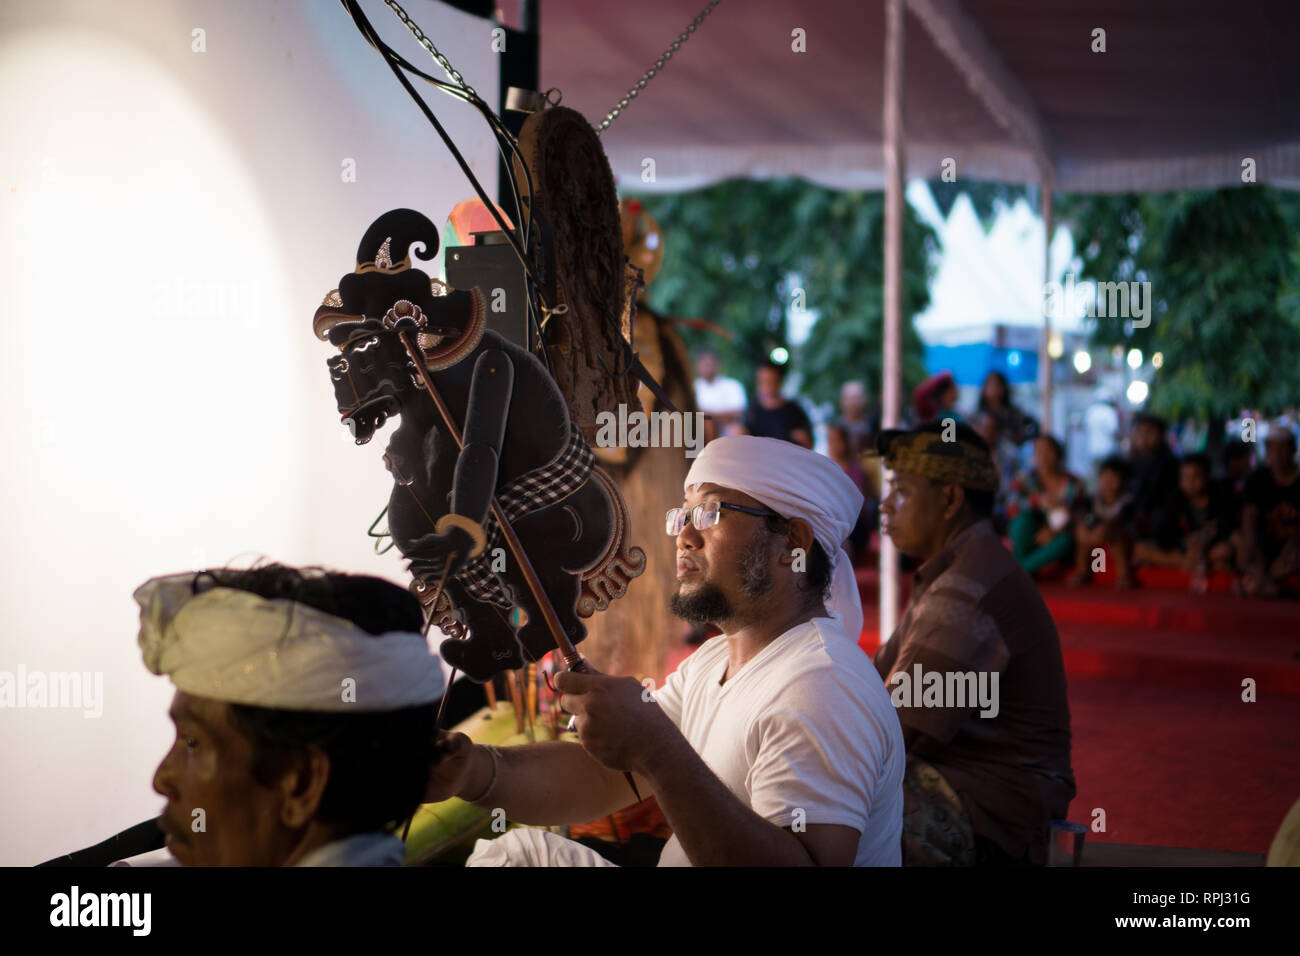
<point x="705" y="605"/>
<point x="708" y="605"/>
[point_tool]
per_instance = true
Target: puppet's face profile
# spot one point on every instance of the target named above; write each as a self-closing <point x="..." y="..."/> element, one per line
<point x="372" y="375"/>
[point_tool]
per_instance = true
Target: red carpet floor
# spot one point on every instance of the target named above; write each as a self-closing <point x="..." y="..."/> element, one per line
<point x="1163" y="742"/>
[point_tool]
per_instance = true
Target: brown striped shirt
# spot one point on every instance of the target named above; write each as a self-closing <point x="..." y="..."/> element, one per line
<point x="975" y="610"/>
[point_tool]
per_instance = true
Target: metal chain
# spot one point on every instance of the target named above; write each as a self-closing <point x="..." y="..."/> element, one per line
<point x="425" y="42"/>
<point x="459" y="80"/>
<point x="658" y="65"/>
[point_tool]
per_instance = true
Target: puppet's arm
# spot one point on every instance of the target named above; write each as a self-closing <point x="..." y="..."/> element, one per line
<point x="461" y="530"/>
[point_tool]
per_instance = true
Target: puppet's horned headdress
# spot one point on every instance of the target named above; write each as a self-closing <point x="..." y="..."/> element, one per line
<point x="403" y="293"/>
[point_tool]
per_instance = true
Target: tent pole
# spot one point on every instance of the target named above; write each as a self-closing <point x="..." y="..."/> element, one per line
<point x="1044" y="356"/>
<point x="891" y="364"/>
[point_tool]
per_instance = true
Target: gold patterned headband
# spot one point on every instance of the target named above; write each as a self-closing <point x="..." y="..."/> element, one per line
<point x="950" y="462"/>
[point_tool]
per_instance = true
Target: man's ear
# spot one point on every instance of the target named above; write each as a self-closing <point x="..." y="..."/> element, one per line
<point x="303" y="788"/>
<point x="798" y="534"/>
<point x="954" y="498"/>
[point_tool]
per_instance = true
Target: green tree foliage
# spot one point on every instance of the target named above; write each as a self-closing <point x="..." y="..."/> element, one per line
<point x="1223" y="268"/>
<point x="731" y="249"/>
<point x="1228" y="342"/>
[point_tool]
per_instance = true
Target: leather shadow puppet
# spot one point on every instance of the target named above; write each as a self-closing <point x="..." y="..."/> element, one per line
<point x="519" y="445"/>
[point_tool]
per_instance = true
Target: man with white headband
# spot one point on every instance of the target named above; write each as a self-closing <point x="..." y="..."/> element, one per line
<point x="774" y="743"/>
<point x="305" y="713"/>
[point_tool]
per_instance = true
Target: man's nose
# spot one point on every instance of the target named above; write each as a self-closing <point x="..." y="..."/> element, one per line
<point x="163" y="779"/>
<point x="688" y="537"/>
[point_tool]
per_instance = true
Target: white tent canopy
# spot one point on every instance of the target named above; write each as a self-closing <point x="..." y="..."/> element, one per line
<point x="989" y="278"/>
<point x="1010" y="90"/>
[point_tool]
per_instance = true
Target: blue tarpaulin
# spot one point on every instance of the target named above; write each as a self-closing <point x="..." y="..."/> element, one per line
<point x="970" y="363"/>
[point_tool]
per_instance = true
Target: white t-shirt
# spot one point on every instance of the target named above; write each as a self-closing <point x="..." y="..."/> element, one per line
<point x="719" y="396"/>
<point x="806" y="724"/>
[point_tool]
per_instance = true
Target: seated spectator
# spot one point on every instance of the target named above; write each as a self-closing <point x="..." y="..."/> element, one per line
<point x="1194" y="528"/>
<point x="1039" y="507"/>
<point x="1011" y="428"/>
<point x="982" y="786"/>
<point x="773" y="415"/>
<point x="1105" y="520"/>
<point x="1014" y="426"/>
<point x="719" y="397"/>
<point x="860" y="427"/>
<point x="1270" y="520"/>
<point x="936" y="397"/>
<point x="1154" y="472"/>
<point x="1004" y="459"/>
<point x="1238" y="462"/>
<point x="838" y="449"/>
<point x="305" y="713"/>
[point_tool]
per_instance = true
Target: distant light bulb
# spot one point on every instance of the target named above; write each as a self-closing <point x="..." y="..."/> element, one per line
<point x="1055" y="345"/>
<point x="780" y="355"/>
<point x="1135" y="358"/>
<point x="1137" y="392"/>
<point x="1082" y="361"/>
<point x="1158" y="359"/>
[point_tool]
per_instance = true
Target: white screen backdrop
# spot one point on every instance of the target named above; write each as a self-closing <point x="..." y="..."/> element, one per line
<point x="171" y="218"/>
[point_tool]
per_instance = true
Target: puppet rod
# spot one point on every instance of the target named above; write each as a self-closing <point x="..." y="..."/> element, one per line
<point x="570" y="653"/>
<point x="572" y="660"/>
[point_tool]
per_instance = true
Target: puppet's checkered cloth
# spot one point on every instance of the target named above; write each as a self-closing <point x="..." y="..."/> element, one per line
<point x="531" y="491"/>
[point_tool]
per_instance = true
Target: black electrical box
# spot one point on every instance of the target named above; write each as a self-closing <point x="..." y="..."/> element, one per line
<point x="491" y="264"/>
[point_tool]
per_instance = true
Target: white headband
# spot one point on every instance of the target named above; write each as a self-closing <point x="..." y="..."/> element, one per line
<point x="796" y="483"/>
<point x="235" y="646"/>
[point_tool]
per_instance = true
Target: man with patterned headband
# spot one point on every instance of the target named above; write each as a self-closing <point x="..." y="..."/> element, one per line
<point x="988" y="735"/>
<point x="305" y="713"/>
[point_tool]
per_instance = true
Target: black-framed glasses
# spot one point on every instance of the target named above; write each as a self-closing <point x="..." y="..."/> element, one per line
<point x="705" y="516"/>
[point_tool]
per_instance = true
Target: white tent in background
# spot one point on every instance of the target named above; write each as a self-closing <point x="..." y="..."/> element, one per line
<point x="988" y="278"/>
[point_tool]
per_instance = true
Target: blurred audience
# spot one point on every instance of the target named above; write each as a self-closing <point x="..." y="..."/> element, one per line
<point x="1270" y="518"/>
<point x="773" y="415"/>
<point x="721" y="398"/>
<point x="1004" y="460"/>
<point x="1105" y="520"/>
<point x="1154" y="472"/>
<point x="1004" y="426"/>
<point x="840" y="450"/>
<point x="1014" y="426"/>
<point x="936" y="397"/>
<point x="1040" y="504"/>
<point x="1193" y="530"/>
<point x="859" y="427"/>
<point x="1150" y="508"/>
